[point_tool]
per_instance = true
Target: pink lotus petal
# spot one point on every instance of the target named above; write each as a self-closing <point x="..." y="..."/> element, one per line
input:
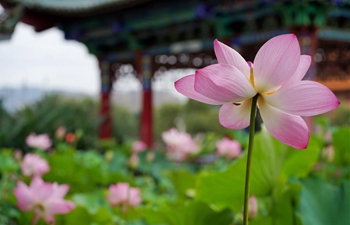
<point x="139" y="146"/>
<point x="49" y="218"/>
<point x="275" y="62"/>
<point x="235" y="116"/>
<point x="24" y="196"/>
<point x="228" y="148"/>
<point x="227" y="55"/>
<point x="118" y="193"/>
<point x="44" y="192"/>
<point x="303" y="98"/>
<point x="223" y="83"/>
<point x="134" y="196"/>
<point x="36" y="183"/>
<point x="59" y="191"/>
<point x="253" y="207"/>
<point x="251" y="65"/>
<point x="34" y="165"/>
<point x="289" y="129"/>
<point x="304" y="65"/>
<point x="41" y="141"/>
<point x="172" y="136"/>
<point x="179" y="144"/>
<point x="59" y="206"/>
<point x="122" y="193"/>
<point x="42" y="198"/>
<point x="186" y="87"/>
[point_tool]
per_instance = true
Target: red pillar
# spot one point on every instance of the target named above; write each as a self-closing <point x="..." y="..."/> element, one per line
<point x="105" y="107"/>
<point x="146" y="129"/>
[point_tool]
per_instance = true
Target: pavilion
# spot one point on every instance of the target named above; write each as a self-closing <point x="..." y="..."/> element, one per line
<point x="154" y="34"/>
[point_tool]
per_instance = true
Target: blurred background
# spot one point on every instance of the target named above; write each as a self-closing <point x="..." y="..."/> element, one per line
<point x="94" y="79"/>
<point x="106" y="68"/>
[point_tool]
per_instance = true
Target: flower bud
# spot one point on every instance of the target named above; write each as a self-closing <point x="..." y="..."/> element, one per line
<point x="70" y="137"/>
<point x="328" y="153"/>
<point x="252" y="207"/>
<point x="134" y="160"/>
<point x="150" y="156"/>
<point x="60" y="132"/>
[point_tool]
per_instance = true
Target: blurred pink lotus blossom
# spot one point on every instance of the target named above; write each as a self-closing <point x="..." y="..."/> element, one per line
<point x="124" y="195"/>
<point x="228" y="148"/>
<point x="41" y="141"/>
<point x="34" y="165"/>
<point x="18" y="155"/>
<point x="252" y="207"/>
<point x="139" y="146"/>
<point x="60" y="132"/>
<point x="150" y="156"/>
<point x="134" y="160"/>
<point x="179" y="144"/>
<point x="44" y="199"/>
<point x="328" y="137"/>
<point x="328" y="153"/>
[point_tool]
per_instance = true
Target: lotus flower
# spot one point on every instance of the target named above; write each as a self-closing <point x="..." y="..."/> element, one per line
<point x="18" y="155"/>
<point x="44" y="199"/>
<point x="252" y="207"/>
<point x="60" y="132"/>
<point x="34" y="165"/>
<point x="328" y="153"/>
<point x="123" y="194"/>
<point x="139" y="146"/>
<point x="275" y="77"/>
<point x="134" y="160"/>
<point x="179" y="144"/>
<point x="41" y="141"/>
<point x="228" y="148"/>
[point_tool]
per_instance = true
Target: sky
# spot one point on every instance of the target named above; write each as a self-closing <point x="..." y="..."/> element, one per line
<point x="48" y="61"/>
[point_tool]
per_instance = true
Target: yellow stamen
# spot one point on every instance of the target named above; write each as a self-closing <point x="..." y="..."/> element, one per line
<point x="269" y="93"/>
<point x="251" y="78"/>
<point x="39" y="208"/>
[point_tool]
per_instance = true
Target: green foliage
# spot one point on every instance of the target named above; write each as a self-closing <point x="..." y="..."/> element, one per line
<point x="340" y="116"/>
<point x="187" y="213"/>
<point x="9" y="213"/>
<point x="322" y="203"/>
<point x="125" y="125"/>
<point x="165" y="117"/>
<point x="7" y="162"/>
<point x="183" y="181"/>
<point x="341" y="144"/>
<point x="195" y="117"/>
<point x="293" y="187"/>
<point x="273" y="164"/>
<point x="85" y="171"/>
<point x="201" y="118"/>
<point x="46" y="115"/>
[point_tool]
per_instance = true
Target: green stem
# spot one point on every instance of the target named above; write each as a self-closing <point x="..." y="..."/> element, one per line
<point x="249" y="159"/>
